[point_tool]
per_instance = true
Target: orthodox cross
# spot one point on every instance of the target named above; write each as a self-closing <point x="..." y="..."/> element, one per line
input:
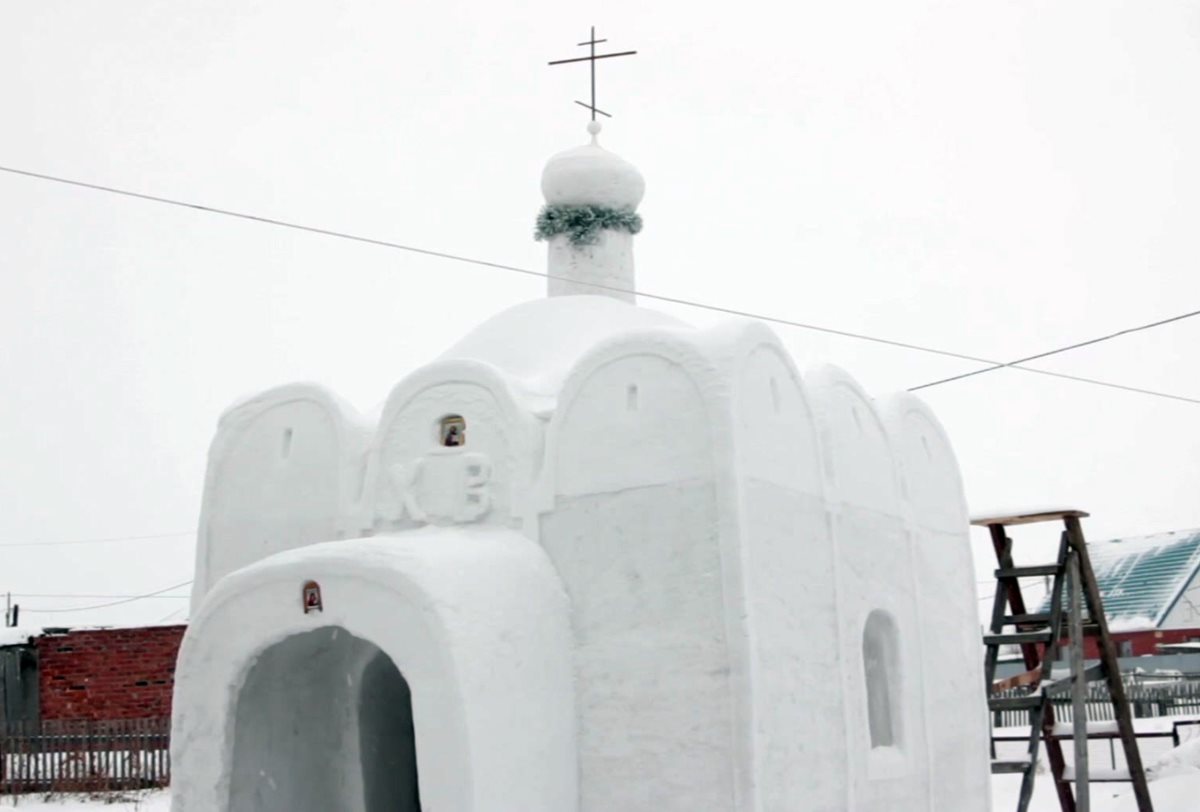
<point x="592" y="43"/>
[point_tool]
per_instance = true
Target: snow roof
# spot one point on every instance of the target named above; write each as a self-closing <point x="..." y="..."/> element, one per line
<point x="536" y="343"/>
<point x="15" y="637"/>
<point x="1142" y="578"/>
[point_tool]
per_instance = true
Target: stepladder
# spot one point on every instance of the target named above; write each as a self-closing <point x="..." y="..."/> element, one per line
<point x="1050" y="641"/>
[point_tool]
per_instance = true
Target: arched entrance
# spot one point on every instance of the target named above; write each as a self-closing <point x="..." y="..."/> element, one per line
<point x="323" y="722"/>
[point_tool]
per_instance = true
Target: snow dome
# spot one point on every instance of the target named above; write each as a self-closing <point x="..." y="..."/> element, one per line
<point x="592" y="175"/>
<point x="587" y="559"/>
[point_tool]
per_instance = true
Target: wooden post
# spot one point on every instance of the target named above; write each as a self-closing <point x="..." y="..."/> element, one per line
<point x="1078" y="686"/>
<point x="1112" y="668"/>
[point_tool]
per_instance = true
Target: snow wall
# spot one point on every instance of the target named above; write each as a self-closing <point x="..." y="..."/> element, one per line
<point x="756" y="580"/>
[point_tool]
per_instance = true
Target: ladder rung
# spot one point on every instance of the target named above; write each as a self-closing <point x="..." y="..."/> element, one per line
<point x="1098" y="728"/>
<point x="1026" y="572"/>
<point x="1002" y="767"/>
<point x="1043" y="636"/>
<point x="1031" y="677"/>
<point x="1094" y="776"/>
<point x="1003" y="703"/>
<point x="1021" y="620"/>
<point x="1090" y="674"/>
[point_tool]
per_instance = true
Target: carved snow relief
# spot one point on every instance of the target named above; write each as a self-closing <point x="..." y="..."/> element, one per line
<point x="441" y="488"/>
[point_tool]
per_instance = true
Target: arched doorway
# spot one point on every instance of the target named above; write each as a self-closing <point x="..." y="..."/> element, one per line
<point x="323" y="722"/>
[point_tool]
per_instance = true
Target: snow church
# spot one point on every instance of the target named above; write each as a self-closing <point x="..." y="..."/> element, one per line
<point x="588" y="559"/>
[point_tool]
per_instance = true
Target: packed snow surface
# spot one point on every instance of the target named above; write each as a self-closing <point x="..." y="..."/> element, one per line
<point x="537" y="343"/>
<point x="158" y="801"/>
<point x="15" y="637"/>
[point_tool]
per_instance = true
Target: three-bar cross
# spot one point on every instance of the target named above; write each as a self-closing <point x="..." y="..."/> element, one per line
<point x="592" y="43"/>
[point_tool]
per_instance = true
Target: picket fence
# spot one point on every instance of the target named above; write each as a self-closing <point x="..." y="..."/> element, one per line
<point x="84" y="756"/>
<point x="1180" y="698"/>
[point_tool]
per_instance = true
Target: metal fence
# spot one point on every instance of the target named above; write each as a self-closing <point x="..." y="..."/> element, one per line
<point x="1147" y="700"/>
<point x="84" y="756"/>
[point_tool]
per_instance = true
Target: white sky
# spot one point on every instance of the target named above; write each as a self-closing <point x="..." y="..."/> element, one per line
<point x="993" y="178"/>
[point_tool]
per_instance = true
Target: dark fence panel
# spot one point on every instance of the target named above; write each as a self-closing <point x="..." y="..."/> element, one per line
<point x="1180" y="698"/>
<point x="84" y="756"/>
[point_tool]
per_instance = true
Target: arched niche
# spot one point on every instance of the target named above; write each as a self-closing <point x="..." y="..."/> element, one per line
<point x="883" y="680"/>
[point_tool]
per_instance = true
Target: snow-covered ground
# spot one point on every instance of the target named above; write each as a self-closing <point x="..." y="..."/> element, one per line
<point x="1175" y="786"/>
<point x="159" y="801"/>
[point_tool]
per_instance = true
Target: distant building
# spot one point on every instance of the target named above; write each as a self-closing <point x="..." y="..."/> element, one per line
<point x="1150" y="586"/>
<point x="93" y="674"/>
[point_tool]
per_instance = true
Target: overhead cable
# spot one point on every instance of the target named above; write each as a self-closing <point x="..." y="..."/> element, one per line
<point x="600" y="286"/>
<point x="1068" y="348"/>
<point x="57" y="610"/>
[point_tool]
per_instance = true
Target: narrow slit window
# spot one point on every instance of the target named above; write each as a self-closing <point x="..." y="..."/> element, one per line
<point x="286" y="450"/>
<point x="881" y="666"/>
<point x="452" y="431"/>
<point x="631" y="397"/>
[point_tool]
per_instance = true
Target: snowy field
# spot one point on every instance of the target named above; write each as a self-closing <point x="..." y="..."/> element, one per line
<point x="1175" y="787"/>
<point x="1174" y="792"/>
<point x="117" y="802"/>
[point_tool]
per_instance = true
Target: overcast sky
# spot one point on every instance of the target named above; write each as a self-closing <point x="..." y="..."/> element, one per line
<point x="994" y="179"/>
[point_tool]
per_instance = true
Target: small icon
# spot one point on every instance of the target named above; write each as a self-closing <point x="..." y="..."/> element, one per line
<point x="312" y="597"/>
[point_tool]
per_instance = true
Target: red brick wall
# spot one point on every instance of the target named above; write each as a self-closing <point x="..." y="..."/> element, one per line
<point x="108" y="673"/>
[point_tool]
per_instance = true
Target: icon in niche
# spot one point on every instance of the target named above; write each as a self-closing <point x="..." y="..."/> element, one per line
<point x="453" y="431"/>
<point x="312" y="597"/>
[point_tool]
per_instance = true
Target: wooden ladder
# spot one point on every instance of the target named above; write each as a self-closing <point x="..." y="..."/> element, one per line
<point x="1040" y="636"/>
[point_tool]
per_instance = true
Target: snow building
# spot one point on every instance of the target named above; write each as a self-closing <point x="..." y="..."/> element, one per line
<point x="588" y="559"/>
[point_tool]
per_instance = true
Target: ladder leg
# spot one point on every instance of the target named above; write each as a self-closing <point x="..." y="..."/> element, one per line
<point x="1112" y="668"/>
<point x="1078" y="686"/>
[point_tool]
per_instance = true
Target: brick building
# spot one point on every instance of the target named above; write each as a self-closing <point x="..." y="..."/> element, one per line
<point x="93" y="674"/>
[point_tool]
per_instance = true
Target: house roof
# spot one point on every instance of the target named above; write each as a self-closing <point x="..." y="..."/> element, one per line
<point x="1142" y="578"/>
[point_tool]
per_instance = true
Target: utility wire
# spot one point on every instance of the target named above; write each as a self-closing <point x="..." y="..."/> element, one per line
<point x="484" y="263"/>
<point x="170" y="615"/>
<point x="1067" y="348"/>
<point x="155" y="593"/>
<point x="85" y="595"/>
<point x="106" y="540"/>
<point x="613" y="288"/>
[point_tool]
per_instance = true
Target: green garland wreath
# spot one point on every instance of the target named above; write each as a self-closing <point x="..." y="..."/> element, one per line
<point x="582" y="224"/>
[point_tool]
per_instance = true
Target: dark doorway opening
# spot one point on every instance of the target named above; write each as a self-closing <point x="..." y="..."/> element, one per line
<point x="324" y="722"/>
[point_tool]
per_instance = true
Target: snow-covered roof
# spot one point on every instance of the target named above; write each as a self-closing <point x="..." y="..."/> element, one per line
<point x="536" y="343"/>
<point x="15" y="637"/>
<point x="1142" y="578"/>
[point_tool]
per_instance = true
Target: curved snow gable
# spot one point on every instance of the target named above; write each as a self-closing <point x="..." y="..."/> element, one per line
<point x="280" y="475"/>
<point x="637" y="521"/>
<point x="635" y="411"/>
<point x="874" y="574"/>
<point x="474" y="620"/>
<point x="537" y="344"/>
<point x="946" y="605"/>
<point x="788" y="561"/>
<point x="414" y="480"/>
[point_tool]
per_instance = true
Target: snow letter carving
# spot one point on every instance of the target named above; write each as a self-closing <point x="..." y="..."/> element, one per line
<point x="444" y="488"/>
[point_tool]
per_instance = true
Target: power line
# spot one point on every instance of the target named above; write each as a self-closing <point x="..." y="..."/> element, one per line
<point x="1068" y="348"/>
<point x="105" y="540"/>
<point x="170" y="615"/>
<point x="155" y="593"/>
<point x="90" y="596"/>
<point x="599" y="286"/>
<point x="484" y="263"/>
